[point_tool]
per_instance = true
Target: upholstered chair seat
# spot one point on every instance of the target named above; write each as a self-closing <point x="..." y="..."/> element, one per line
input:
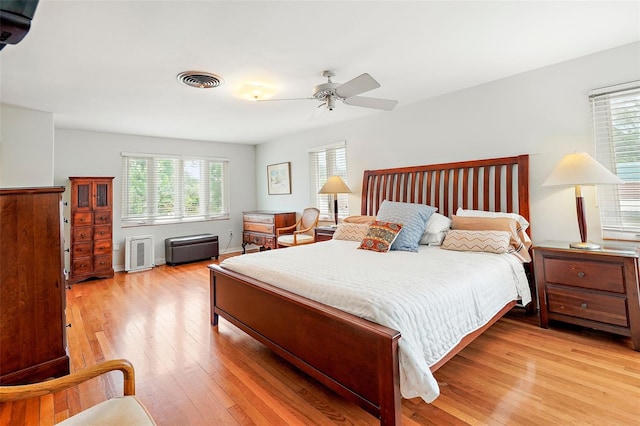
<point x="302" y="229"/>
<point x="117" y="411"/>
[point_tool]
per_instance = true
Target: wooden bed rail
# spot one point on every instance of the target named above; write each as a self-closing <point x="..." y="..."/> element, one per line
<point x="328" y="344"/>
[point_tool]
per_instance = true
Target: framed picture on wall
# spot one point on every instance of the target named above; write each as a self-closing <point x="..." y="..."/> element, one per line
<point x="279" y="178"/>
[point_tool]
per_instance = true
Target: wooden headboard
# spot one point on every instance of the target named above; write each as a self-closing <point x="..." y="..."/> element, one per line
<point x="495" y="184"/>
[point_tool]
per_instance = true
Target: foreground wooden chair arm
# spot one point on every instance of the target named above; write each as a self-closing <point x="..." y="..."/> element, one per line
<point x="115" y="411"/>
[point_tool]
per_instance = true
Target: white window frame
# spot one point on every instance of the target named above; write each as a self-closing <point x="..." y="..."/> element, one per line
<point x="616" y="131"/>
<point x="326" y="161"/>
<point x="180" y="213"/>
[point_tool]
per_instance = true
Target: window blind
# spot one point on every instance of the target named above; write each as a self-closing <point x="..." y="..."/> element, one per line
<point x="166" y="189"/>
<point x="616" y="130"/>
<point x="324" y="162"/>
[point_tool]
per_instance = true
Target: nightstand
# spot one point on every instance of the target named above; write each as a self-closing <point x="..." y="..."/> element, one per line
<point x="324" y="233"/>
<point x="591" y="288"/>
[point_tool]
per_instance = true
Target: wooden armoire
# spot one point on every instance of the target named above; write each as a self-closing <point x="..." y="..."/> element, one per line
<point x="91" y="228"/>
<point x="33" y="342"/>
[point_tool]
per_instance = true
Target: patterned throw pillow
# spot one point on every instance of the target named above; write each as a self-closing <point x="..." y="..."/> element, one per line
<point x="485" y="241"/>
<point x="351" y="231"/>
<point x="413" y="218"/>
<point x="380" y="236"/>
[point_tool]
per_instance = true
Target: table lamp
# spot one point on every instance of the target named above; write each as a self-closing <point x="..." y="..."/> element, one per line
<point x="581" y="169"/>
<point x="335" y="185"/>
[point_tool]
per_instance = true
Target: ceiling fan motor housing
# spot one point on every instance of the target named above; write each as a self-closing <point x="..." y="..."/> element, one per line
<point x="322" y="91"/>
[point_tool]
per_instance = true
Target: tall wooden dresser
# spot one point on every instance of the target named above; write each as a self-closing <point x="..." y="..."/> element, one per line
<point x="33" y="342"/>
<point x="259" y="227"/>
<point x="91" y="228"/>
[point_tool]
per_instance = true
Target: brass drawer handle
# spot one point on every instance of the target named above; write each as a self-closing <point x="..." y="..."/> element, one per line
<point x="583" y="305"/>
<point x="581" y="274"/>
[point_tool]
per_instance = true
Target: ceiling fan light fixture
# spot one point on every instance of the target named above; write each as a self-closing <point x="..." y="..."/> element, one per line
<point x="255" y="91"/>
<point x="328" y="94"/>
<point x="200" y="79"/>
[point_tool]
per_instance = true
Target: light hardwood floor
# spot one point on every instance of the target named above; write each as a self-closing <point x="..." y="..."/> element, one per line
<point x="189" y="373"/>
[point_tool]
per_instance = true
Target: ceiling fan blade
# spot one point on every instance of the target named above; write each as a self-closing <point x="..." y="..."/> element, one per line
<point x="362" y="83"/>
<point x="319" y="112"/>
<point x="362" y="101"/>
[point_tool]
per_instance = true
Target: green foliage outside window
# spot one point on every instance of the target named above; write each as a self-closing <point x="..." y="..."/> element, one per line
<point x="163" y="189"/>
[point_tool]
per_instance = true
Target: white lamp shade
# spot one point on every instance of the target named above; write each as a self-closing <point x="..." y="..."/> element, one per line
<point x="334" y="185"/>
<point x="580" y="169"/>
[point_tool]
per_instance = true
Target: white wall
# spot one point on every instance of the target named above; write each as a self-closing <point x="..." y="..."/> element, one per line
<point x="26" y="147"/>
<point x="82" y="153"/>
<point x="544" y="113"/>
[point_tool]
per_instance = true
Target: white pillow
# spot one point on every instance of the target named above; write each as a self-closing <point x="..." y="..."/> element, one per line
<point x="435" y="230"/>
<point x="429" y="239"/>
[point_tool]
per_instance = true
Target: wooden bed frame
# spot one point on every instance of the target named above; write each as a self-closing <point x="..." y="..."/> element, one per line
<point x="356" y="358"/>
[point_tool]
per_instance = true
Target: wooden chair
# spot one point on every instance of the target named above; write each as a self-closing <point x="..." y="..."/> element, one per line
<point x="304" y="233"/>
<point x="124" y="410"/>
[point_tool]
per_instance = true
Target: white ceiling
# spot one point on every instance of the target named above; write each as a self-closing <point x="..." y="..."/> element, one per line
<point x="111" y="65"/>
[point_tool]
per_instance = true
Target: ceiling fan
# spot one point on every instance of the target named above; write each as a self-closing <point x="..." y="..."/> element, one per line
<point x="328" y="93"/>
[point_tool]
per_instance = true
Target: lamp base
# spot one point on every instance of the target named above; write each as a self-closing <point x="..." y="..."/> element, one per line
<point x="585" y="246"/>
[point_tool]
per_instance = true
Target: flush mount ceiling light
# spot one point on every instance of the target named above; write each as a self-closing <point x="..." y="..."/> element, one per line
<point x="200" y="79"/>
<point x="255" y="91"/>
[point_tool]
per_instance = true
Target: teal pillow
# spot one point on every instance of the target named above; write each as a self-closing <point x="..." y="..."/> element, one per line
<point x="413" y="218"/>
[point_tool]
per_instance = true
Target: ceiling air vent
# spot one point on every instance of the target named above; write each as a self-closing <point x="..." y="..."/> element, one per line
<point x="200" y="79"/>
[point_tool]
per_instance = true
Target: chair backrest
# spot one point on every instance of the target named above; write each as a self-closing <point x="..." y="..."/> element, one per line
<point x="310" y="217"/>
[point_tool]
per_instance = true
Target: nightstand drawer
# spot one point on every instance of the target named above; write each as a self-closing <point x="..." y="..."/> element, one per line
<point x="585" y="274"/>
<point x="258" y="218"/>
<point x="258" y="240"/>
<point x="600" y="307"/>
<point x="259" y="227"/>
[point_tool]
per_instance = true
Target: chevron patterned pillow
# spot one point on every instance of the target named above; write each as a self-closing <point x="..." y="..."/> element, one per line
<point x="485" y="241"/>
<point x="351" y="231"/>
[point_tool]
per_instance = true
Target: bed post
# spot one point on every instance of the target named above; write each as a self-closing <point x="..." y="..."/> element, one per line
<point x="523" y="188"/>
<point x="212" y="296"/>
<point x="389" y="382"/>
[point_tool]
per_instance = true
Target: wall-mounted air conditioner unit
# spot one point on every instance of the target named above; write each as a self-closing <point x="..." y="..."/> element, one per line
<point x="138" y="253"/>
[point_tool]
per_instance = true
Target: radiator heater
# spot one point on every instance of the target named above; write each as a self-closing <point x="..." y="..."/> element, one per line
<point x="138" y="253"/>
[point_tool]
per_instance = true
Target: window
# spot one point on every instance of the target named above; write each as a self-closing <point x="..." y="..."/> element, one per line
<point x="616" y="128"/>
<point x="168" y="189"/>
<point x="325" y="162"/>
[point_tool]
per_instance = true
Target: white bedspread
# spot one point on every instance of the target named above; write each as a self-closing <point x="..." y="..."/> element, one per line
<point x="434" y="297"/>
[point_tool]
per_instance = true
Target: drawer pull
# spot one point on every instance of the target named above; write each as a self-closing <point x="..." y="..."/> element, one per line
<point x="583" y="305"/>
<point x="581" y="274"/>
